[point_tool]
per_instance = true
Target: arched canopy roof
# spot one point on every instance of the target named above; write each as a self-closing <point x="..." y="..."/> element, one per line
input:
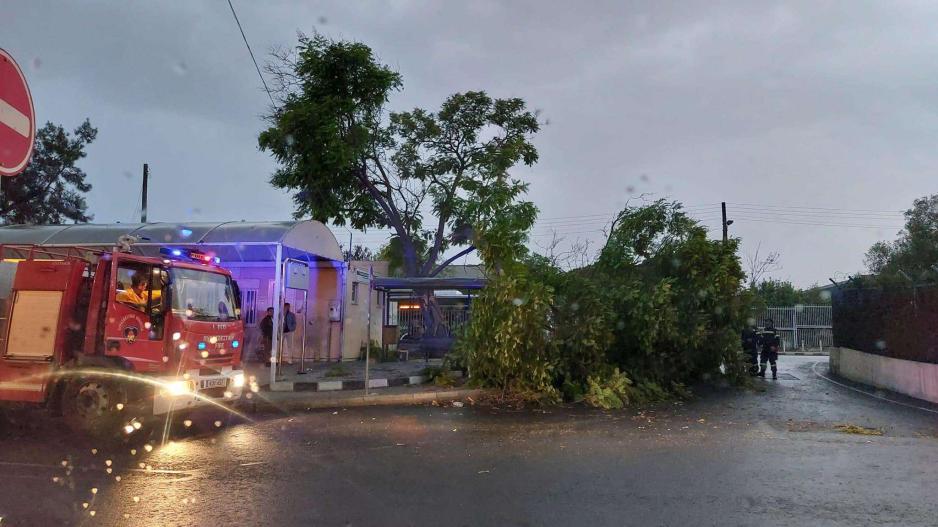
<point x="231" y="241"/>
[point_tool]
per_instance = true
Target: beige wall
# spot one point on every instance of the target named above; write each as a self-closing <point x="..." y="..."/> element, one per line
<point x="915" y="379"/>
<point x="356" y="312"/>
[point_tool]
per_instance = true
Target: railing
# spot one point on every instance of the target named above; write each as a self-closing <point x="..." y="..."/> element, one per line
<point x="801" y="326"/>
<point x="411" y="320"/>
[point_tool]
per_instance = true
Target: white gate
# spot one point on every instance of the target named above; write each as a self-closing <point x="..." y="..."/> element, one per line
<point x="801" y="326"/>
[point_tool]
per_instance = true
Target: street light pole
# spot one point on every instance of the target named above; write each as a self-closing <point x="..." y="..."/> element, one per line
<point x="726" y="223"/>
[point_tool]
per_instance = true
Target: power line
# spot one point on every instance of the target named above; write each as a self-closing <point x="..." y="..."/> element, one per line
<point x="264" y="82"/>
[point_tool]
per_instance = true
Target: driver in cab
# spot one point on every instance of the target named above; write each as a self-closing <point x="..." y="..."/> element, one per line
<point x="137" y="295"/>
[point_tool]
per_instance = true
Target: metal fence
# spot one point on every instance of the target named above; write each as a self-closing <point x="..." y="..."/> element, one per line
<point x="801" y="326"/>
<point x="411" y="320"/>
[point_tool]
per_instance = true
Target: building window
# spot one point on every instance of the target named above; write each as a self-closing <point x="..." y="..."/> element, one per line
<point x="355" y="292"/>
<point x="249" y="306"/>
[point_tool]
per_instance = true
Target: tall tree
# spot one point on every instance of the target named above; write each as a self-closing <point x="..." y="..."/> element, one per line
<point x="358" y="253"/>
<point x="913" y="256"/>
<point x="51" y="188"/>
<point x="438" y="180"/>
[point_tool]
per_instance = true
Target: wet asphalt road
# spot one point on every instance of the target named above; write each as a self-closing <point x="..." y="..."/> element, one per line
<point x="725" y="458"/>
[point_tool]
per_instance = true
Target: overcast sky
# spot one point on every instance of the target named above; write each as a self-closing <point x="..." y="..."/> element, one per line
<point x="816" y="121"/>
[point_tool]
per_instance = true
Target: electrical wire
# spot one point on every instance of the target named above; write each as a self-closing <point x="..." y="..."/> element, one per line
<point x="264" y="82"/>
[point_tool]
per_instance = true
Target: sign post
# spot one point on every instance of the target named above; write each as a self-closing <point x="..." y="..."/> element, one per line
<point x="17" y="118"/>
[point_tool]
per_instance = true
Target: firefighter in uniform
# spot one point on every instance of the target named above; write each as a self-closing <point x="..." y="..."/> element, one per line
<point x="769" y="342"/>
<point x="750" y="341"/>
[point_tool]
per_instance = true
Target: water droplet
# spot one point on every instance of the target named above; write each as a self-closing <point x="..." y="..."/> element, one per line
<point x="136" y="499"/>
<point x="518" y="301"/>
<point x="119" y="406"/>
<point x="108" y="462"/>
<point x="187" y="423"/>
<point x="94" y="451"/>
<point x="217" y="424"/>
<point x="94" y="490"/>
<point x="109" y="470"/>
<point x="92" y="513"/>
<point x="84" y="505"/>
<point x="117" y="478"/>
<point x="148" y="447"/>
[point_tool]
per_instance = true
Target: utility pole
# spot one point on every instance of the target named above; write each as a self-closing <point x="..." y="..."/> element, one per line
<point x="143" y="203"/>
<point x="726" y="223"/>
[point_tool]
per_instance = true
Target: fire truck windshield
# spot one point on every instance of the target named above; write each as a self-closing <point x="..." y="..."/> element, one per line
<point x="202" y="295"/>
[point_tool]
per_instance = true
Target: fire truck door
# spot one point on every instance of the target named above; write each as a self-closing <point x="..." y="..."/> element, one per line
<point x="134" y="325"/>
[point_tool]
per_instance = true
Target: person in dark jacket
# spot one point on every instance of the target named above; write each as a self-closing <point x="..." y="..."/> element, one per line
<point x="750" y="341"/>
<point x="769" y="341"/>
<point x="267" y="331"/>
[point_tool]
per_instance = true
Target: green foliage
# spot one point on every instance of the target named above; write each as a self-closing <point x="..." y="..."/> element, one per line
<point x="674" y="291"/>
<point x="51" y="188"/>
<point x="506" y="344"/>
<point x="662" y="302"/>
<point x="779" y="293"/>
<point x="913" y="256"/>
<point x="610" y="391"/>
<point x="352" y="162"/>
<point x="439" y="376"/>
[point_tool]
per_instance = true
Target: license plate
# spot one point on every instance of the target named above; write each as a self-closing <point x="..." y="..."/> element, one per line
<point x="213" y="383"/>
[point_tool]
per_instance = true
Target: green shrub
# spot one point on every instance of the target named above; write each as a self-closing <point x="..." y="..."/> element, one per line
<point x="610" y="391"/>
<point x="506" y="343"/>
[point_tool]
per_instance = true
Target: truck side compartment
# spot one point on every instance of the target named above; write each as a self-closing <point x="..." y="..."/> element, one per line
<point x="41" y="326"/>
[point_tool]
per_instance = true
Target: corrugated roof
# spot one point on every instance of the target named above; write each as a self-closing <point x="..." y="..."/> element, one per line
<point x="236" y="240"/>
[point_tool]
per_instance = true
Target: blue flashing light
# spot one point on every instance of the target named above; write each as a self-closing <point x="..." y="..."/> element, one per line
<point x="235" y="344"/>
<point x="201" y="345"/>
<point x="217" y="260"/>
<point x="177" y="252"/>
<point x="185" y="232"/>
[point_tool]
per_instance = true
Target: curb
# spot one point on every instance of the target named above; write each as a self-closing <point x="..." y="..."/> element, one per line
<point x="335" y="386"/>
<point x="294" y="403"/>
<point x="805" y="353"/>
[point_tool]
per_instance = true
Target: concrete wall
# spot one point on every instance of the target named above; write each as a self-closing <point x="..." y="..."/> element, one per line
<point x="915" y="379"/>
<point x="356" y="310"/>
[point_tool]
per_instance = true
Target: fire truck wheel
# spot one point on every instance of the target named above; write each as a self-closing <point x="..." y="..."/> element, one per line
<point x="91" y="406"/>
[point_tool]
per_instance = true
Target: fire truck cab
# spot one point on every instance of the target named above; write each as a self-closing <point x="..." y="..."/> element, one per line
<point x="108" y="337"/>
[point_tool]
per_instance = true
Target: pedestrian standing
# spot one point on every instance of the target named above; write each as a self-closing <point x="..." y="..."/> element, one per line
<point x="289" y="327"/>
<point x="750" y="341"/>
<point x="769" y="342"/>
<point x="267" y="332"/>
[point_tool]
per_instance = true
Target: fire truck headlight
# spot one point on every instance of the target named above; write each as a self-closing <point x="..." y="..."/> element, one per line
<point x="238" y="380"/>
<point x="177" y="388"/>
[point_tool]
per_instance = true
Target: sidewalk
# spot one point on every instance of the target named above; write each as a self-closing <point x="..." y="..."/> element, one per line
<point x="341" y="376"/>
<point x="404" y="395"/>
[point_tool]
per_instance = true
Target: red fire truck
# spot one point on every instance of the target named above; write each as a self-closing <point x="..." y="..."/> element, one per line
<point x="107" y="338"/>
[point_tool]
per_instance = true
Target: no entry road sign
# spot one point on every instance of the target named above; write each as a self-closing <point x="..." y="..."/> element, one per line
<point x="17" y="119"/>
